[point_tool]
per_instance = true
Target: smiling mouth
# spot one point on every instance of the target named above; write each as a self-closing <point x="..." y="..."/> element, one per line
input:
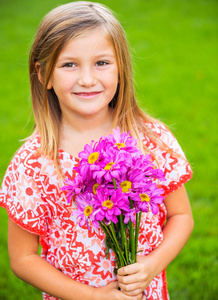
<point x="87" y="95"/>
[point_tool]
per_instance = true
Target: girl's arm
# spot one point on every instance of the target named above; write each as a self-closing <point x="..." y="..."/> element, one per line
<point x="30" y="267"/>
<point x="176" y="233"/>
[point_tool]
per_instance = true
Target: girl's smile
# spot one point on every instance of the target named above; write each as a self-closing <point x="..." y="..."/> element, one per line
<point x="87" y="95"/>
<point x="85" y="77"/>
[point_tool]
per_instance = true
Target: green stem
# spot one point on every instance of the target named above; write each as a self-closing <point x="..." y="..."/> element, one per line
<point x="132" y="241"/>
<point x="115" y="185"/>
<point x="137" y="232"/>
<point x="124" y="239"/>
<point x="132" y="237"/>
<point x="108" y="233"/>
<point x="117" y="245"/>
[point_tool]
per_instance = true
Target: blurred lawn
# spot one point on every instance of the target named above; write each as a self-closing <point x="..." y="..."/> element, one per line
<point x="175" y="62"/>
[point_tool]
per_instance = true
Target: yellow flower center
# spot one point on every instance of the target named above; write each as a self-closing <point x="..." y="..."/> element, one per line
<point x="120" y="145"/>
<point x="144" y="197"/>
<point x="88" y="210"/>
<point x="95" y="186"/>
<point x="108" y="204"/>
<point x="108" y="166"/>
<point x="126" y="186"/>
<point x="93" y="157"/>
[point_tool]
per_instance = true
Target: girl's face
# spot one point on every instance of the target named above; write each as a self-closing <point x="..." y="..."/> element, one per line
<point x="85" y="76"/>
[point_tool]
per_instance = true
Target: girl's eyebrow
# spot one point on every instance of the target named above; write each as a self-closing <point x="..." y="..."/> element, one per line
<point x="109" y="55"/>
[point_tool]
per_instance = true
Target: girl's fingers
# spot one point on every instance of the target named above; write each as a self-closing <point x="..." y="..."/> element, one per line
<point x="137" y="293"/>
<point x="131" y="289"/>
<point x="130" y="269"/>
<point x="129" y="279"/>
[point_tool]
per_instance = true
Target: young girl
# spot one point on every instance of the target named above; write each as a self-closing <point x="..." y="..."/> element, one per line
<point x="82" y="87"/>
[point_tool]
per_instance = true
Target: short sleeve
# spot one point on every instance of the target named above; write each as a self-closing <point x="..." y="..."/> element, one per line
<point x="20" y="194"/>
<point x="172" y="161"/>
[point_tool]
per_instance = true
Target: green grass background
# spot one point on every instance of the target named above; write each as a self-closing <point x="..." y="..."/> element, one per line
<point x="174" y="48"/>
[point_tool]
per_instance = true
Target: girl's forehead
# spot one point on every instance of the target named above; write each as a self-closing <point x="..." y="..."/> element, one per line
<point x="89" y="42"/>
<point x="96" y="33"/>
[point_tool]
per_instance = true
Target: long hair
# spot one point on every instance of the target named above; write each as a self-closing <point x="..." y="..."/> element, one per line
<point x="57" y="28"/>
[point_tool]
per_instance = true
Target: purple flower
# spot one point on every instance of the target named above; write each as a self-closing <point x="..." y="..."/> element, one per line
<point x="123" y="141"/>
<point x="112" y="165"/>
<point x="110" y="206"/>
<point x="130" y="215"/>
<point x="158" y="174"/>
<point x="73" y="187"/>
<point x="90" y="158"/>
<point x="92" y="187"/>
<point x="85" y="209"/>
<point x="150" y="196"/>
<point x="144" y="164"/>
<point x="131" y="181"/>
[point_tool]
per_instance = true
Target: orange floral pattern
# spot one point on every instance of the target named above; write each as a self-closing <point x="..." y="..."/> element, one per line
<point x="31" y="195"/>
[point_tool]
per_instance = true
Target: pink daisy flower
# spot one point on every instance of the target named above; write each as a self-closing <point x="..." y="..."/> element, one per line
<point x="150" y="196"/>
<point x="85" y="209"/>
<point x="112" y="165"/>
<point x="89" y="159"/>
<point x="110" y="206"/>
<point x="123" y="141"/>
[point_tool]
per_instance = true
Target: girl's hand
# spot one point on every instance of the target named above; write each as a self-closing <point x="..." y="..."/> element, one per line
<point x="110" y="291"/>
<point x="134" y="279"/>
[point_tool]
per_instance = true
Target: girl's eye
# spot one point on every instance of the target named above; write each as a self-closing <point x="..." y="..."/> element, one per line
<point x="101" y="63"/>
<point x="69" y="65"/>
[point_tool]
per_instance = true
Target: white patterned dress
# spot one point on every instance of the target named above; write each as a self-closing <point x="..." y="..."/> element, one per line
<point x="31" y="194"/>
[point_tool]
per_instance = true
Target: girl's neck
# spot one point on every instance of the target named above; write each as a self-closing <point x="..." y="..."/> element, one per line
<point x="76" y="132"/>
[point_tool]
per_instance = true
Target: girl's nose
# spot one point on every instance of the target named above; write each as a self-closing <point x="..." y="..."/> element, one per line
<point x="87" y="78"/>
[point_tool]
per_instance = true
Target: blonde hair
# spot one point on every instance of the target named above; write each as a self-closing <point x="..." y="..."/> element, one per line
<point x="57" y="28"/>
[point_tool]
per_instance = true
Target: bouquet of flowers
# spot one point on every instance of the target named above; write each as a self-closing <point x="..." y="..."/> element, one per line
<point x="114" y="185"/>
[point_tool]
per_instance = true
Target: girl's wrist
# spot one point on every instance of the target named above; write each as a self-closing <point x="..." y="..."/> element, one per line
<point x="151" y="262"/>
<point x="156" y="262"/>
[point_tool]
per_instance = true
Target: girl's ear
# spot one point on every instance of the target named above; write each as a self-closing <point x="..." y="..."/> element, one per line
<point x="40" y="77"/>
